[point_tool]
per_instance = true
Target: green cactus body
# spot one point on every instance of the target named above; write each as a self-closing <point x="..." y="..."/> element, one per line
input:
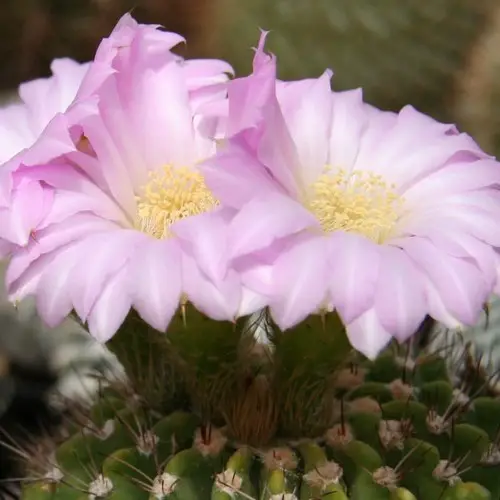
<point x="304" y="418"/>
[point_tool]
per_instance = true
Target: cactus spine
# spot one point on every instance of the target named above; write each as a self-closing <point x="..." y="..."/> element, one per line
<point x="303" y="418"/>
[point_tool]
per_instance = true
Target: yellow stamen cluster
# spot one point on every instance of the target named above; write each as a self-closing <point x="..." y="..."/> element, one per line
<point x="170" y="195"/>
<point x="359" y="201"/>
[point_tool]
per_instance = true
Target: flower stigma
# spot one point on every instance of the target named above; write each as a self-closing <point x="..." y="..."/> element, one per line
<point x="170" y="195"/>
<point x="359" y="202"/>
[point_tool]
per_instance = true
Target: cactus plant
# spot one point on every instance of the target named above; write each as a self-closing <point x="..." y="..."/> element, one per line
<point x="243" y="408"/>
<point x="301" y="417"/>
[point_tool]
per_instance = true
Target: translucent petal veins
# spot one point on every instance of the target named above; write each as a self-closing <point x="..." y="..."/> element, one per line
<point x="170" y="195"/>
<point x="359" y="201"/>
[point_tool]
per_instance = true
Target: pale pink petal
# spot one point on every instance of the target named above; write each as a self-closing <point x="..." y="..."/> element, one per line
<point x="367" y="335"/>
<point x="256" y="275"/>
<point x="111" y="307"/>
<point x="117" y="176"/>
<point x="487" y="199"/>
<point x="204" y="237"/>
<point x="301" y="279"/>
<point x="15" y="131"/>
<point x="427" y="158"/>
<point x="30" y="204"/>
<point x="290" y="92"/>
<point x="26" y="284"/>
<point x="251" y="302"/>
<point x="123" y="136"/>
<point x="479" y="224"/>
<point x="45" y="97"/>
<point x="278" y="153"/>
<point x="205" y="72"/>
<point x="127" y="46"/>
<point x="234" y="176"/>
<point x="465" y="246"/>
<point x="400" y="299"/>
<point x="248" y="96"/>
<point x="7" y="233"/>
<point x="459" y="283"/>
<point x="261" y="59"/>
<point x="165" y="133"/>
<point x="418" y="145"/>
<point x="89" y="164"/>
<point x="437" y="308"/>
<point x="6" y="181"/>
<point x="349" y="119"/>
<point x="264" y="220"/>
<point x="454" y="179"/>
<point x="309" y="123"/>
<point x="253" y="103"/>
<point x="54" y="302"/>
<point x="53" y="237"/>
<point x="109" y="252"/>
<point x="484" y="199"/>
<point x="219" y="300"/>
<point x="155" y="281"/>
<point x="375" y="134"/>
<point x="211" y="102"/>
<point x="54" y="141"/>
<point x="68" y="204"/>
<point x="207" y="130"/>
<point x="67" y="178"/>
<point x="353" y="274"/>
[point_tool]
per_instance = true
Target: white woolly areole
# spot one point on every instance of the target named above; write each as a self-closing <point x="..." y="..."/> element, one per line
<point x="99" y="488"/>
<point x="446" y="471"/>
<point x="54" y="475"/>
<point x="102" y="433"/>
<point x="324" y="475"/>
<point x="436" y="424"/>
<point x="213" y="444"/>
<point x="229" y="482"/>
<point x="392" y="434"/>
<point x="460" y="398"/>
<point x="280" y="458"/>
<point x="400" y="390"/>
<point x="164" y="485"/>
<point x="492" y="455"/>
<point x="147" y="442"/>
<point x="339" y="435"/>
<point x="386" y="477"/>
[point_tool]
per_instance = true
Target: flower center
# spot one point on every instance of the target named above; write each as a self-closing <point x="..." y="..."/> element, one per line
<point x="170" y="195"/>
<point x="360" y="202"/>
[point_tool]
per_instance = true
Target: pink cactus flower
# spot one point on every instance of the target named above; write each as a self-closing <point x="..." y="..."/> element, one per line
<point x="27" y="135"/>
<point x="130" y="222"/>
<point x="44" y="125"/>
<point x="384" y="217"/>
